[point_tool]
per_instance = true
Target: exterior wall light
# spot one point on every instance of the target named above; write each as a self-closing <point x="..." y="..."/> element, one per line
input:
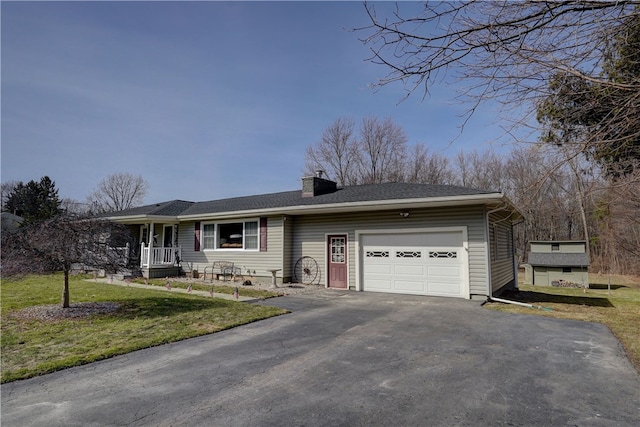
<point x="404" y="214"/>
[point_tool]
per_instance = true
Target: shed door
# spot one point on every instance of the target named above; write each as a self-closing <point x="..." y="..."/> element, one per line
<point x="416" y="263"/>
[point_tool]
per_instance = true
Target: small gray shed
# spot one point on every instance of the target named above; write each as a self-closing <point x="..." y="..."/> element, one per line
<point x="557" y="262"/>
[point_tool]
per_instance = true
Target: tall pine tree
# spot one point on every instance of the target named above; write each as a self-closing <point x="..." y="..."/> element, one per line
<point x="600" y="118"/>
<point x="34" y="201"/>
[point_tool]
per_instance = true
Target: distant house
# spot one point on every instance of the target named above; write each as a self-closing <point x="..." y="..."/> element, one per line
<point x="394" y="237"/>
<point x="11" y="221"/>
<point x="557" y="262"/>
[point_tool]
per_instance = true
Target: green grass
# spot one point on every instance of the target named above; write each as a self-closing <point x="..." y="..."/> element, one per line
<point x="245" y="291"/>
<point x="619" y="310"/>
<point x="146" y="318"/>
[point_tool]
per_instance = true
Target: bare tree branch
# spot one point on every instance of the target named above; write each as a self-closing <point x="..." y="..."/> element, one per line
<point x="118" y="192"/>
<point x="59" y="243"/>
<point x="504" y="51"/>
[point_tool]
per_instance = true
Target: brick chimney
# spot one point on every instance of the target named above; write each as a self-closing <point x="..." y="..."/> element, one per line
<point x="317" y="185"/>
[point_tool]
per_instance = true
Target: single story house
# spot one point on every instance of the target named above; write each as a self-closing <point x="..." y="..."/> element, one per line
<point x="554" y="262"/>
<point x="392" y="237"/>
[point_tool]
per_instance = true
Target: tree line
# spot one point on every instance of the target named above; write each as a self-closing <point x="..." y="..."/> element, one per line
<point x="568" y="73"/>
<point x="39" y="200"/>
<point x="56" y="236"/>
<point x="562" y="198"/>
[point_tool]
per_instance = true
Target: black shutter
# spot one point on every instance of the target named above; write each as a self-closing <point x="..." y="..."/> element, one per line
<point x="263" y="234"/>
<point x="196" y="244"/>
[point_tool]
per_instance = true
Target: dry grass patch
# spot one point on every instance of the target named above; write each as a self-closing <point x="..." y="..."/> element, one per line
<point x="619" y="308"/>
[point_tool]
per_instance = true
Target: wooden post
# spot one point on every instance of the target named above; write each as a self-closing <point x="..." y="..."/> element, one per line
<point x="150" y="245"/>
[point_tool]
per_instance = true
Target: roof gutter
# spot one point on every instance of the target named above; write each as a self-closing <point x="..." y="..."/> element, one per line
<point x="137" y="219"/>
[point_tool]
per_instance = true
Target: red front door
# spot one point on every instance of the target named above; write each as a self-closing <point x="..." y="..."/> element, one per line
<point x="337" y="261"/>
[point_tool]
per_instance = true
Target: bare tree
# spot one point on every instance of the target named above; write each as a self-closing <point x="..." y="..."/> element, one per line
<point x="500" y="50"/>
<point x="374" y="153"/>
<point x="59" y="243"/>
<point x="117" y="192"/>
<point x="382" y="146"/>
<point x="567" y="70"/>
<point x="428" y="168"/>
<point x="480" y="170"/>
<point x="7" y="188"/>
<point x="336" y="154"/>
<point x="616" y="207"/>
<point x="73" y="206"/>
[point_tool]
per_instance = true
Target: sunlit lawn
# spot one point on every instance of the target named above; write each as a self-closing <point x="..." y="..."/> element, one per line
<point x="147" y="317"/>
<point x="619" y="310"/>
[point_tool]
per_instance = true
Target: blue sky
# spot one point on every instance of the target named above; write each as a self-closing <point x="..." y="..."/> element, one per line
<point x="204" y="100"/>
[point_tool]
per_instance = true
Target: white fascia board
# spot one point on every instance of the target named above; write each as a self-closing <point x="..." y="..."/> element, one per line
<point x="355" y="206"/>
<point x="140" y="219"/>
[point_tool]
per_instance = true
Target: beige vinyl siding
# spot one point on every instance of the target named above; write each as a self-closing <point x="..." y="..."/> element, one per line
<point x="545" y="276"/>
<point x="563" y="247"/>
<point x="501" y="248"/>
<point x="257" y="262"/>
<point x="310" y="232"/>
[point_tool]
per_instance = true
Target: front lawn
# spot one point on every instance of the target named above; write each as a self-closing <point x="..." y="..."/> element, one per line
<point x="142" y="318"/>
<point x="619" y="310"/>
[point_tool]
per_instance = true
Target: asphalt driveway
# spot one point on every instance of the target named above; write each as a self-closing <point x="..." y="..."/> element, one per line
<point x="352" y="359"/>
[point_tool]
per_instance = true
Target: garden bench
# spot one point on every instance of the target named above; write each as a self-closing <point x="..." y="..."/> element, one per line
<point x="219" y="268"/>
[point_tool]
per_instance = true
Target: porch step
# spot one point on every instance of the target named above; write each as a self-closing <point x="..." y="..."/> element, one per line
<point x="126" y="274"/>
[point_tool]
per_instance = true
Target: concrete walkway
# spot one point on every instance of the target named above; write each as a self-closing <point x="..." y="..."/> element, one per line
<point x="220" y="295"/>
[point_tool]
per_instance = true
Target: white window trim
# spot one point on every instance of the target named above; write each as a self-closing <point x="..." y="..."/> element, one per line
<point x="217" y="224"/>
<point x="202" y="238"/>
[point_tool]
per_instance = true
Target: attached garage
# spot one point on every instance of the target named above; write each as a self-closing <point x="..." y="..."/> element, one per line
<point x="422" y="262"/>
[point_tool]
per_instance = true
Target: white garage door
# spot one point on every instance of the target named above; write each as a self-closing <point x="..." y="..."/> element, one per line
<point x="416" y="263"/>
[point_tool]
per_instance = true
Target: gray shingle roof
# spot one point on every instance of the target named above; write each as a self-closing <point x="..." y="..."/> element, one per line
<point x="170" y="208"/>
<point x="558" y="259"/>
<point x="350" y="194"/>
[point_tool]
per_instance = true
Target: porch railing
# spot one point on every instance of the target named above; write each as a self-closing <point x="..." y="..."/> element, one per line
<point x="160" y="256"/>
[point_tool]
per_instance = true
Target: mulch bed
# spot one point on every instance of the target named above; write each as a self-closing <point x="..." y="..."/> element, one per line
<point x="75" y="311"/>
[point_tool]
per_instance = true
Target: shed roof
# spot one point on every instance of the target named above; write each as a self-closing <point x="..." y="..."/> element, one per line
<point x="558" y="259"/>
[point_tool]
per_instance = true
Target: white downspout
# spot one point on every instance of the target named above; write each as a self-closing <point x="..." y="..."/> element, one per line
<point x="489" y="287"/>
<point x="515" y="259"/>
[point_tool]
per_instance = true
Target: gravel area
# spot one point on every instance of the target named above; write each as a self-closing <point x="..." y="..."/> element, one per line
<point x="282" y="289"/>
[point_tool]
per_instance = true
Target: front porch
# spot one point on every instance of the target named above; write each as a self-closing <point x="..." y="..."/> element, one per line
<point x="158" y="262"/>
